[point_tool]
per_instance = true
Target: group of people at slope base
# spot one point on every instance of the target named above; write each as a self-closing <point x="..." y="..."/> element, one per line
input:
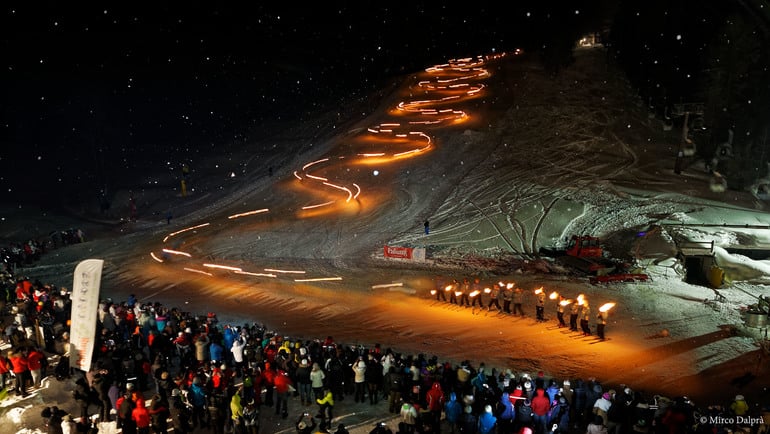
<point x="508" y="298"/>
<point x="156" y="368"/>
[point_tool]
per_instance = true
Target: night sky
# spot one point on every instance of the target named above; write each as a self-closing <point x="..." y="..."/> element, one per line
<point x="92" y="93"/>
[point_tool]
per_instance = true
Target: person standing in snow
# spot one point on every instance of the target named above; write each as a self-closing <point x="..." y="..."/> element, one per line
<point x="601" y="322"/>
<point x="506" y="295"/>
<point x="573" y="317"/>
<point x="453" y="291"/>
<point x="540" y="306"/>
<point x="465" y="289"/>
<point x="739" y="407"/>
<point x="487" y="421"/>
<point x="560" y="311"/>
<point x="494" y="298"/>
<point x="452" y="410"/>
<point x="427" y="227"/>
<point x="586" y="315"/>
<point x="439" y="287"/>
<point x="359" y="370"/>
<point x="478" y="290"/>
<point x="541" y="405"/>
<point x="518" y="299"/>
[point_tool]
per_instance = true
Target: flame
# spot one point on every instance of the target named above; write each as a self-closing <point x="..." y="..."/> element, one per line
<point x="487" y="290"/>
<point x="539" y="290"/>
<point x="580" y="299"/>
<point x="554" y="295"/>
<point x="475" y="293"/>
<point x="432" y="292"/>
<point x="565" y="302"/>
<point x="606" y="307"/>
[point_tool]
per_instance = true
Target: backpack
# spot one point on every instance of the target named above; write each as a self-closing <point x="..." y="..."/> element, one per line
<point x="396" y="381"/>
<point x="614" y="413"/>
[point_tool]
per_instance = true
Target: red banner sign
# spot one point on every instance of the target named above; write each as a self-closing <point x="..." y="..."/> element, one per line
<point x="398" y="252"/>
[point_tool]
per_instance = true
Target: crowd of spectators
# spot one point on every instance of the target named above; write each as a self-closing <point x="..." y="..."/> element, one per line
<point x="20" y="254"/>
<point x="157" y="367"/>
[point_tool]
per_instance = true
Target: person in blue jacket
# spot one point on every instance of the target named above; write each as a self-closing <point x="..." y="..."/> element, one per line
<point x="506" y="413"/>
<point x="487" y="421"/>
<point x="452" y="410"/>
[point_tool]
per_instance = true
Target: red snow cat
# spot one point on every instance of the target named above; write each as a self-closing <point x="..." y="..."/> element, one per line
<point x="585" y="255"/>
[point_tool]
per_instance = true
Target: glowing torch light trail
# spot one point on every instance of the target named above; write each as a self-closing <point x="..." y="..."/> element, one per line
<point x="606" y="307"/>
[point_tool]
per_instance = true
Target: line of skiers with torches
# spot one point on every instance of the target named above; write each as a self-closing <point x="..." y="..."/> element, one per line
<point x="469" y="294"/>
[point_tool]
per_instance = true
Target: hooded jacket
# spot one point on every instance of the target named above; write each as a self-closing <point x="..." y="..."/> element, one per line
<point x="435" y="397"/>
<point x="540" y="403"/>
<point x="453" y="409"/>
<point x="487" y="421"/>
<point x="507" y="406"/>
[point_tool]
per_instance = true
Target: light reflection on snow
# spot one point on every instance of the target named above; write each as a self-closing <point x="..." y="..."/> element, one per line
<point x="440" y="89"/>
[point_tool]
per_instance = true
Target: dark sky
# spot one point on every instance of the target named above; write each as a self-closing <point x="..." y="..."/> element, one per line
<point x="103" y="86"/>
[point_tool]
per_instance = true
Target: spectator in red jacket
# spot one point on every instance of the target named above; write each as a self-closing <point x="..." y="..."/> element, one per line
<point x="435" y="400"/>
<point x="540" y="407"/>
<point x="20" y="370"/>
<point x="35" y="360"/>
<point x="141" y="417"/>
<point x="282" y="384"/>
<point x="5" y="370"/>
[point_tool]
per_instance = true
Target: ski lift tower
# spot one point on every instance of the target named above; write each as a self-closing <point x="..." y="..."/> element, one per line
<point x="686" y="145"/>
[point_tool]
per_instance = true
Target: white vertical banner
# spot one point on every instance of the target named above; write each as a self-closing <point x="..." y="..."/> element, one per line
<point x="85" y="307"/>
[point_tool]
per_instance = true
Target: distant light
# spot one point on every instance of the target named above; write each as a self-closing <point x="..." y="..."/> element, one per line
<point x="678" y="37"/>
<point x="376" y="172"/>
<point x="232" y="174"/>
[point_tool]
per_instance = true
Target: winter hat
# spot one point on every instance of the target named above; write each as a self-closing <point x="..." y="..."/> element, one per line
<point x="566" y="382"/>
<point x="526" y="430"/>
<point x="528" y="385"/>
<point x="562" y="400"/>
<point x="627" y="390"/>
<point x="303" y="362"/>
<point x="739" y="397"/>
<point x="468" y="409"/>
<point x="361" y="364"/>
<point x="606" y="396"/>
<point x="527" y="402"/>
<point x="488" y="409"/>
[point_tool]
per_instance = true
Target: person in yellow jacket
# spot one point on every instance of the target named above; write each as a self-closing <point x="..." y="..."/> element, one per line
<point x="236" y="411"/>
<point x="739" y="407"/>
<point x="326" y="407"/>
